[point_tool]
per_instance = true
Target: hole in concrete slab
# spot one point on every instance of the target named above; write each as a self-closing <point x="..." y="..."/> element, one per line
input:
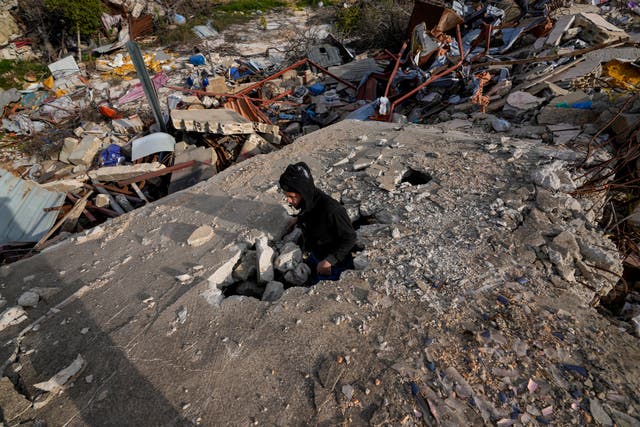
<point x="416" y="177"/>
<point x="288" y="269"/>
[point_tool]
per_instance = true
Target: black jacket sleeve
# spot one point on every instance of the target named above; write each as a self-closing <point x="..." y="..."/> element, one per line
<point x="344" y="232"/>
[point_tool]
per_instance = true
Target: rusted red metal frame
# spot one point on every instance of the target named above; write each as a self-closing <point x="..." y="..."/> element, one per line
<point x="226" y="95"/>
<point x="409" y="94"/>
<point x="293" y="67"/>
<point x="395" y="69"/>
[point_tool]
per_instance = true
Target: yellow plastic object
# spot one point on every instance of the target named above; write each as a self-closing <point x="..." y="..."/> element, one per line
<point x="623" y="74"/>
<point x="48" y="82"/>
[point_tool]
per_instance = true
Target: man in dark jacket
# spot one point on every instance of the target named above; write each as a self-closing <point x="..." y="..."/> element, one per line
<point x="327" y="233"/>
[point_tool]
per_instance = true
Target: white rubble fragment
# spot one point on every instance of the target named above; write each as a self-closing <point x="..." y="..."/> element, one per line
<point x="273" y="291"/>
<point x="264" y="255"/>
<point x="289" y="257"/>
<point x="223" y="275"/>
<point x="547" y="176"/>
<point x="200" y="236"/>
<point x="12" y="316"/>
<point x="60" y="379"/>
<point x="361" y="261"/>
<point x="183" y="278"/>
<point x="29" y="299"/>
<point x="95" y="233"/>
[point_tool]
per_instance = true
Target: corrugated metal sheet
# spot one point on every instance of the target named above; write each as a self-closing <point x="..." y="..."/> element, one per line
<point x="22" y="204"/>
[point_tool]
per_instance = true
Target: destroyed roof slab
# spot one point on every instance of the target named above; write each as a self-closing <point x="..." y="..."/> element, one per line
<point x="22" y="209"/>
<point x="219" y="121"/>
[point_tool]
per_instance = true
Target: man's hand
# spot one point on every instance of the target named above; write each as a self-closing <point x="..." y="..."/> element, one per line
<point x="324" y="268"/>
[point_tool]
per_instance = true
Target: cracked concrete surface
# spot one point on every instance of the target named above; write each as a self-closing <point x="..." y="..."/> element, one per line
<point x="460" y="302"/>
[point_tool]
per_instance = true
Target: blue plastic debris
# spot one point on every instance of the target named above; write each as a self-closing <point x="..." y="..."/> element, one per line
<point x="522" y="280"/>
<point x="431" y="366"/>
<point x="575" y="368"/>
<point x="485" y="334"/>
<point x="502" y="397"/>
<point x="485" y="316"/>
<point x="316" y="88"/>
<point x="111" y="156"/>
<point x="504" y="300"/>
<point x="198" y="59"/>
<point x="414" y="389"/>
<point x="558" y="335"/>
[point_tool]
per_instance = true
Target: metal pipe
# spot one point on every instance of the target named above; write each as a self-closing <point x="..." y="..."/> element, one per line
<point x="147" y="85"/>
<point x="395" y="69"/>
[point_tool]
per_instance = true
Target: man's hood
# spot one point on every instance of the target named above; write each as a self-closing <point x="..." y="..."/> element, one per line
<point x="297" y="178"/>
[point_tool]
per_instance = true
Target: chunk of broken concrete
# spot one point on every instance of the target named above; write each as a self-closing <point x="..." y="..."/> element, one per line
<point x="223" y="274"/>
<point x="86" y="150"/>
<point x="289" y="257"/>
<point x="118" y="173"/>
<point x="68" y="147"/>
<point x="218" y="121"/>
<point x="264" y="255"/>
<point x="12" y="316"/>
<point x="299" y="275"/>
<point x="523" y="100"/>
<point x="29" y="299"/>
<point x="273" y="291"/>
<point x="60" y="379"/>
<point x="200" y="236"/>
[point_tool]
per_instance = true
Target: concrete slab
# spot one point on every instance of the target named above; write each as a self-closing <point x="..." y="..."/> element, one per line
<point x="218" y="121"/>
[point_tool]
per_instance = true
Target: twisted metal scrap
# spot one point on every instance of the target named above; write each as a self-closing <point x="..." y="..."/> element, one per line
<point x="478" y="98"/>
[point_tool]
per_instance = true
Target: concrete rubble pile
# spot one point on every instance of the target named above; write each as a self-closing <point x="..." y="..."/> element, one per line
<point x="542" y="73"/>
<point x="469" y="305"/>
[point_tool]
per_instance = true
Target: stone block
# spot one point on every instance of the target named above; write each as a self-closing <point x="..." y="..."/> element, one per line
<point x="289" y="257"/>
<point x="119" y="173"/>
<point x="200" y="236"/>
<point x="86" y="150"/>
<point x="68" y="147"/>
<point x="264" y="255"/>
<point x="273" y="291"/>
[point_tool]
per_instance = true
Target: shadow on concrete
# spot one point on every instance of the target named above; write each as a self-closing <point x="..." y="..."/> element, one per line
<point x="110" y="390"/>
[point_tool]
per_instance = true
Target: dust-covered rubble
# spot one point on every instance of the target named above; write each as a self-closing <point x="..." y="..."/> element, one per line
<point x="470" y="304"/>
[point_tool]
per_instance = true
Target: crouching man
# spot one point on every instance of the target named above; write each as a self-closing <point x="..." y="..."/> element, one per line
<point x="327" y="234"/>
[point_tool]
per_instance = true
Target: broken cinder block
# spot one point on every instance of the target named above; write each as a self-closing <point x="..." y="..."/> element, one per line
<point x="86" y="150"/>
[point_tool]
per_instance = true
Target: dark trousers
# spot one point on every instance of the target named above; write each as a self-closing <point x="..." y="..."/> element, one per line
<point x="312" y="261"/>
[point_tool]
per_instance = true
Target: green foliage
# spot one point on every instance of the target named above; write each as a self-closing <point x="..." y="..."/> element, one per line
<point x="12" y="72"/>
<point x="375" y="23"/>
<point x="82" y="15"/>
<point x="249" y="5"/>
<point x="348" y="19"/>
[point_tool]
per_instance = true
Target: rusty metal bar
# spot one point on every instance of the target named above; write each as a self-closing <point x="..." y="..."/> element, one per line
<point x="330" y="74"/>
<point x="273" y="76"/>
<point x="395" y="68"/>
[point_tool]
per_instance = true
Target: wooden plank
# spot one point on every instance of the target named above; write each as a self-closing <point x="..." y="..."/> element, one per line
<point x="77" y="207"/>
